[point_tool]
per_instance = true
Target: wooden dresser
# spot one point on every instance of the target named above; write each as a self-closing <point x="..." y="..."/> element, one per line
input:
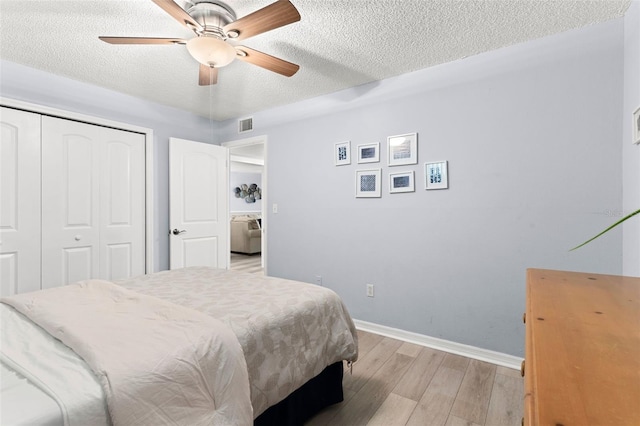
<point x="582" y="357"/>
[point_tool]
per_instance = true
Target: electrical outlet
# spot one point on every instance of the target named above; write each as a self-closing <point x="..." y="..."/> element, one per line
<point x="319" y="279"/>
<point x="369" y="290"/>
<point x="275" y="208"/>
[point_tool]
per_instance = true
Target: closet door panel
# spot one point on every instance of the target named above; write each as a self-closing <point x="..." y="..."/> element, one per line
<point x="19" y="201"/>
<point x="70" y="201"/>
<point x="122" y="231"/>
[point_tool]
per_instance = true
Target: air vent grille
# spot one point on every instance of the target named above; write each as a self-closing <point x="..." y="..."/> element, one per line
<point x="245" y="125"/>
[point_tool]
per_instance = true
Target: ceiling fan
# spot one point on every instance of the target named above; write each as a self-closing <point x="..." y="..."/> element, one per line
<point x="214" y="24"/>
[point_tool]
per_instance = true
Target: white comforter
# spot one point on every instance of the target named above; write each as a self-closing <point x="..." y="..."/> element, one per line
<point x="53" y="368"/>
<point x="179" y="367"/>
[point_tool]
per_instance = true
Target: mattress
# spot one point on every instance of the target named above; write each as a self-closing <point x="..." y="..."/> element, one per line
<point x="284" y="346"/>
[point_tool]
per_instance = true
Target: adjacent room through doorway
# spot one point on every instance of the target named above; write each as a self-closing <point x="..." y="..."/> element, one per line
<point x="246" y="203"/>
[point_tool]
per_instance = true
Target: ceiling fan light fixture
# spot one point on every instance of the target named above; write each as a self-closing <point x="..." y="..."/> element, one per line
<point x="211" y="51"/>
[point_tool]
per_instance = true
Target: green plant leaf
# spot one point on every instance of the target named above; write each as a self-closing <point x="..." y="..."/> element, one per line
<point x="608" y="229"/>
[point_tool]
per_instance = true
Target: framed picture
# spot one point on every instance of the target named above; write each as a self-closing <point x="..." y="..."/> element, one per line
<point x="403" y="149"/>
<point x="343" y="153"/>
<point x="369" y="153"/>
<point x="636" y="126"/>
<point x="436" y="175"/>
<point x="401" y="182"/>
<point x="368" y="183"/>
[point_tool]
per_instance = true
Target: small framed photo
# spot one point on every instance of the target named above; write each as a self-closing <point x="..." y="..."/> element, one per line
<point x="401" y="182"/>
<point x="636" y="126"/>
<point x="369" y="153"/>
<point x="368" y="183"/>
<point x="343" y="153"/>
<point x="403" y="149"/>
<point x="436" y="175"/>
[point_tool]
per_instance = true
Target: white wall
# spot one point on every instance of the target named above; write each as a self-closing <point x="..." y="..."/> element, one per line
<point x="38" y="87"/>
<point x="531" y="133"/>
<point x="630" y="152"/>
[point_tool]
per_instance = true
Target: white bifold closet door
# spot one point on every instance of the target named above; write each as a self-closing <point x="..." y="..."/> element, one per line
<point x="19" y="201"/>
<point x="93" y="193"/>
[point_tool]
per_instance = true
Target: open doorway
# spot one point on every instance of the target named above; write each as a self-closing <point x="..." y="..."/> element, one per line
<point x="247" y="203"/>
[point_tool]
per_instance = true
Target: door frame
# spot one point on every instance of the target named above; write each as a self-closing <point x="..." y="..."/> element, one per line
<point x="89" y="119"/>
<point x="263" y="139"/>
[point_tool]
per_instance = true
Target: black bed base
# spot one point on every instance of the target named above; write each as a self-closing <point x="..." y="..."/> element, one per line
<point x="323" y="390"/>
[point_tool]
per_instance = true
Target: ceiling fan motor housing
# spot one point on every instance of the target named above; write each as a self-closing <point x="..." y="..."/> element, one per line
<point x="212" y="16"/>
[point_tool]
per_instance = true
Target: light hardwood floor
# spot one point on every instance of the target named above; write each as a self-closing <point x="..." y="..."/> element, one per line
<point x="397" y="383"/>
<point x="247" y="263"/>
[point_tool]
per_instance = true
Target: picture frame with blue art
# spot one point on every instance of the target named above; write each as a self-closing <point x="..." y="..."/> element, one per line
<point x="369" y="153"/>
<point x="401" y="182"/>
<point x="342" y="153"/>
<point x="636" y="126"/>
<point x="436" y="175"/>
<point x="368" y="183"/>
<point x="403" y="149"/>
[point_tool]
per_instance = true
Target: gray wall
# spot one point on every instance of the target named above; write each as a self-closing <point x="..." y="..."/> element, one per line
<point x="531" y="133"/>
<point x="630" y="152"/>
<point x="38" y="87"/>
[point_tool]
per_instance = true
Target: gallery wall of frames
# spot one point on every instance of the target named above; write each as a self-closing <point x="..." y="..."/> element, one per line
<point x="401" y="152"/>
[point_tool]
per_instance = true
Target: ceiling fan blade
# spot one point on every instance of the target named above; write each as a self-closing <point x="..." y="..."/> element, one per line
<point x="142" y="40"/>
<point x="208" y="75"/>
<point x="274" y="16"/>
<point x="266" y="61"/>
<point x="178" y="14"/>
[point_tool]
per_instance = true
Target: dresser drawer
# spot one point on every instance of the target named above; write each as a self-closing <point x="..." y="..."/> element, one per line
<point x="581" y="349"/>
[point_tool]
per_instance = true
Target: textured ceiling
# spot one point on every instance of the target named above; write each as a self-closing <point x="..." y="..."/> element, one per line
<point x="338" y="44"/>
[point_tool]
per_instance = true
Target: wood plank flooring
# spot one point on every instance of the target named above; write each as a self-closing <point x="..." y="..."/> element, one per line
<point x="398" y="383"/>
<point x="247" y="263"/>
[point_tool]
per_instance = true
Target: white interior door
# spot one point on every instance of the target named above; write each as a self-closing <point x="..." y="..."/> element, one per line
<point x="199" y="199"/>
<point x="92" y="202"/>
<point x="19" y="201"/>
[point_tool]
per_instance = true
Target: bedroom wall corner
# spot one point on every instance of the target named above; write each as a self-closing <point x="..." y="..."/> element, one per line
<point x="631" y="152"/>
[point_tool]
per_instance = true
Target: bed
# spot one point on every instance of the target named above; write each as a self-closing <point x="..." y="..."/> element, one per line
<point x="293" y="337"/>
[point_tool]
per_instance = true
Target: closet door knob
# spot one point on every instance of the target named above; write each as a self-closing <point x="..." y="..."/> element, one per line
<point x="77" y="237"/>
<point x="176" y="232"/>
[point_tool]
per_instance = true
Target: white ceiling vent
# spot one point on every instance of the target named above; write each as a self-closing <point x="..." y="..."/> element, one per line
<point x="245" y="125"/>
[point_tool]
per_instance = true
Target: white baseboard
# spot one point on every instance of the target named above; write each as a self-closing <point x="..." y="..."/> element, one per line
<point x="473" y="352"/>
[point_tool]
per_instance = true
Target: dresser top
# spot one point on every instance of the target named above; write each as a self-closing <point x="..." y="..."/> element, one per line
<point x="584" y="360"/>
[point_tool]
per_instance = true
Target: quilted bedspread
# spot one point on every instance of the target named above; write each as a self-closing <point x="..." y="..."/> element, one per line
<point x="289" y="331"/>
<point x="179" y="367"/>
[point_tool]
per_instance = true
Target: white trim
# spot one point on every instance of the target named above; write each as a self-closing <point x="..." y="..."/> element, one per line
<point x="254" y="140"/>
<point x="41" y="109"/>
<point x="247" y="160"/>
<point x="473" y="352"/>
<point x="245" y="213"/>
